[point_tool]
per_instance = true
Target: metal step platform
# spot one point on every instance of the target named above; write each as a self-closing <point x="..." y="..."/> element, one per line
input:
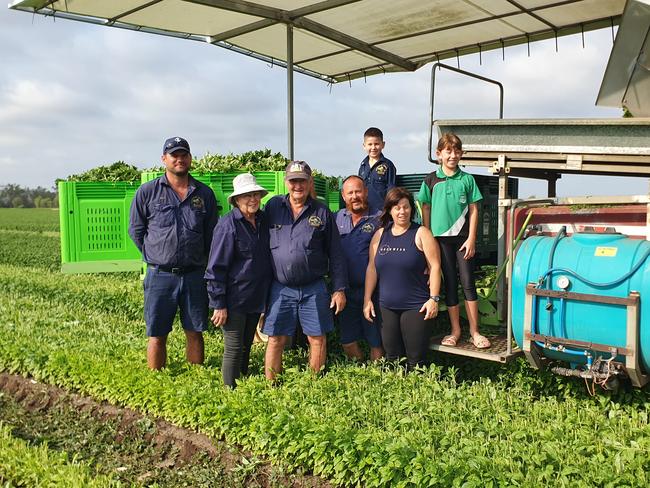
<point x="498" y="352"/>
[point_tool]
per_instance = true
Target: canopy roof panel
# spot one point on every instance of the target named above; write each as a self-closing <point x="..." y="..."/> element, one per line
<point x="627" y="78"/>
<point x="339" y="40"/>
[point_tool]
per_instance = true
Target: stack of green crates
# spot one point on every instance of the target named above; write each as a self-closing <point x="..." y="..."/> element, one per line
<point x="221" y="185"/>
<point x="94" y="218"/>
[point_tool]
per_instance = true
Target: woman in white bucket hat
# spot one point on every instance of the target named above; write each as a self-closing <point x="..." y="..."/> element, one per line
<point x="239" y="273"/>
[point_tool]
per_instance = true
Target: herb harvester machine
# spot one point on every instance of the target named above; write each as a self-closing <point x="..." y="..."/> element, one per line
<point x="573" y="290"/>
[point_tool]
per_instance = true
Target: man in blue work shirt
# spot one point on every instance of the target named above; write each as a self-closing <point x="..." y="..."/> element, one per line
<point x="357" y="226"/>
<point x="171" y="222"/>
<point x="305" y="246"/>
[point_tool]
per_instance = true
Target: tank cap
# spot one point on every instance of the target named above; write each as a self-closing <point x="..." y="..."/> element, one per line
<point x="563" y="282"/>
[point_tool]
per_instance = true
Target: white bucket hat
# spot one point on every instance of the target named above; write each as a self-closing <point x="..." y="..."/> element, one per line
<point x="245" y="183"/>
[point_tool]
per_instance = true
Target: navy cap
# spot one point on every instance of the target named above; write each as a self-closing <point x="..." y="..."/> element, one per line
<point x="175" y="144"/>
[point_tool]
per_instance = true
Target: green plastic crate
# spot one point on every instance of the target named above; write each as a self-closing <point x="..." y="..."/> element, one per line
<point x="94" y="218"/>
<point x="334" y="201"/>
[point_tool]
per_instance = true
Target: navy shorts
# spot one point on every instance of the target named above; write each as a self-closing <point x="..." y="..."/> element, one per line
<point x="353" y="325"/>
<point x="165" y="293"/>
<point x="307" y="305"/>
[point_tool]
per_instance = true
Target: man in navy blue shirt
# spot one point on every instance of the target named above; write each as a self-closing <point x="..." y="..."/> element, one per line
<point x="357" y="226"/>
<point x="305" y="246"/>
<point x="376" y="170"/>
<point x="171" y="222"/>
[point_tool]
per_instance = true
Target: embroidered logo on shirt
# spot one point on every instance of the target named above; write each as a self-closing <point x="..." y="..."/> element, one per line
<point x="385" y="249"/>
<point x="315" y="221"/>
<point x="381" y="169"/>
<point x="367" y="227"/>
<point x="196" y="203"/>
<point x="463" y="199"/>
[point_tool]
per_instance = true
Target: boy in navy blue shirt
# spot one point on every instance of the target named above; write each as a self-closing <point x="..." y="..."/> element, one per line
<point x="377" y="172"/>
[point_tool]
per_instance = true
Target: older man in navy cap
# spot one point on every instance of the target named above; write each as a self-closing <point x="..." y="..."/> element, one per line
<point x="305" y="246"/>
<point x="171" y="222"/>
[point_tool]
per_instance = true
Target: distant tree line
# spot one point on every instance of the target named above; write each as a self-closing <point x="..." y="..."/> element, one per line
<point x="18" y="197"/>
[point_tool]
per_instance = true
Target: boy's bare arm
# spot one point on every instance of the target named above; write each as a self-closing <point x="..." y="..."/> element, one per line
<point x="426" y="215"/>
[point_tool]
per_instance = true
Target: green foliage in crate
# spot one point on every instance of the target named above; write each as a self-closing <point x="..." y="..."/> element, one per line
<point x="118" y="171"/>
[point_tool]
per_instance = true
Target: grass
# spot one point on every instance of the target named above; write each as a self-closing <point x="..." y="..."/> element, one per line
<point x="37" y="465"/>
<point x="30" y="219"/>
<point x="116" y="448"/>
<point x="458" y="423"/>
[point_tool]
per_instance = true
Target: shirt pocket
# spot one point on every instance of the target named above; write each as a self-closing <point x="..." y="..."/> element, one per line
<point x="316" y="239"/>
<point x="274" y="236"/>
<point x="378" y="180"/>
<point x="163" y="215"/>
<point x="245" y="248"/>
<point x="196" y="219"/>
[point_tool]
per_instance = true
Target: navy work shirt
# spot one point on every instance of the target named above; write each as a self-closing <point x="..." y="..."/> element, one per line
<point x="170" y="231"/>
<point x="356" y="242"/>
<point x="378" y="179"/>
<point x="239" y="268"/>
<point x="305" y="249"/>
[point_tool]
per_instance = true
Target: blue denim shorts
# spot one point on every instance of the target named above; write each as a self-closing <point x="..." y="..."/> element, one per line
<point x="307" y="305"/>
<point x="165" y="293"/>
<point x="353" y="325"/>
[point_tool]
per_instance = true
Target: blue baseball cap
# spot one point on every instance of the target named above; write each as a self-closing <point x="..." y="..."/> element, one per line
<point x="175" y="144"/>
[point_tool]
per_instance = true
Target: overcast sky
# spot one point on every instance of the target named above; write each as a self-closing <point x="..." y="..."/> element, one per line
<point x="75" y="96"/>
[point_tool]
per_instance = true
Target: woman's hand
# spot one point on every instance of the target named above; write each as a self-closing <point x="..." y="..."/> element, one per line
<point x="369" y="311"/>
<point x="219" y="317"/>
<point x="430" y="309"/>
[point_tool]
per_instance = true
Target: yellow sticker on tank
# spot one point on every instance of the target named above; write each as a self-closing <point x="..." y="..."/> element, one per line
<point x="606" y="251"/>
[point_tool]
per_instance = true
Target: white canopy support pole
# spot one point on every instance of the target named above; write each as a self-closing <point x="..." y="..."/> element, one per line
<point x="290" y="90"/>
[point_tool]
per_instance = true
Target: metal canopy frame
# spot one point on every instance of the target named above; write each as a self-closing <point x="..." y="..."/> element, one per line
<point x="389" y="61"/>
<point x="374" y="56"/>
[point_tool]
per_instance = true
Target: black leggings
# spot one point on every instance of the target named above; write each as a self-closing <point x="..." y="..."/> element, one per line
<point x="405" y="333"/>
<point x="449" y="257"/>
<point x="238" y="334"/>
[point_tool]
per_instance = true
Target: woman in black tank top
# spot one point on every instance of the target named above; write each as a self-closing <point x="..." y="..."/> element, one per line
<point x="400" y="254"/>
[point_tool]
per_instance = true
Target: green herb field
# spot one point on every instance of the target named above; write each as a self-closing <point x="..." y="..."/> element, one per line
<point x="24" y="465"/>
<point x="457" y="423"/>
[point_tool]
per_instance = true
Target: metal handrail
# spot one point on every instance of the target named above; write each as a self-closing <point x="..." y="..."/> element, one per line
<point x="433" y="86"/>
<point x="512" y="252"/>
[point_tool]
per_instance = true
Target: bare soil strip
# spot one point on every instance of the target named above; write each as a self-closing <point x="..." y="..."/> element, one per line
<point x="130" y="446"/>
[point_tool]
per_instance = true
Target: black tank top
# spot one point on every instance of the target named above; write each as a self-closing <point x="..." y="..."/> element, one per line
<point x="401" y="270"/>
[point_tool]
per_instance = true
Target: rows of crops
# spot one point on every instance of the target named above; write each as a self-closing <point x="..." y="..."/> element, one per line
<point x="455" y="423"/>
<point x="25" y="465"/>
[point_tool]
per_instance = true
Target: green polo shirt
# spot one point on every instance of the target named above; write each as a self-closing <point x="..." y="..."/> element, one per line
<point x="449" y="197"/>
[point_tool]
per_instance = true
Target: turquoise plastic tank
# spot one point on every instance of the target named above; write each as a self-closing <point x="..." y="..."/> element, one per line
<point x="600" y="258"/>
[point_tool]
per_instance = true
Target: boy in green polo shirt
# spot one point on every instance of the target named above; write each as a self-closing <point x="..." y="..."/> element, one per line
<point x="448" y="197"/>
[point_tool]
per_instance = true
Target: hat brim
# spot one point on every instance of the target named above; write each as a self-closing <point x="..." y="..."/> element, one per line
<point x="296" y="176"/>
<point x="243" y="191"/>
<point x="177" y="148"/>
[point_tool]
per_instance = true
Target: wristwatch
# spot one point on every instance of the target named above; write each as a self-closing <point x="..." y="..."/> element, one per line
<point x="435" y="298"/>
